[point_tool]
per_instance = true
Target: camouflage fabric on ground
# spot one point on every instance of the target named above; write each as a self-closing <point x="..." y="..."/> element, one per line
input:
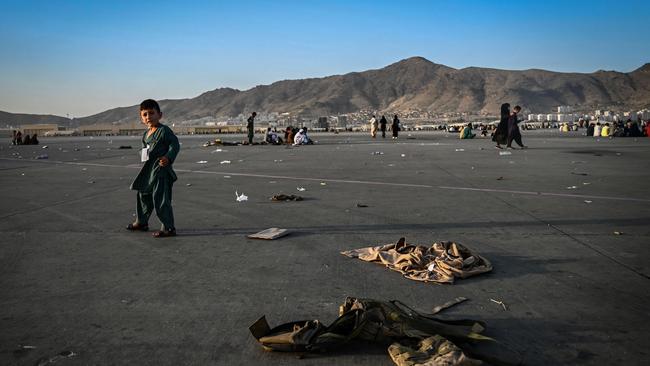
<point x="384" y="322"/>
<point x="440" y="262"/>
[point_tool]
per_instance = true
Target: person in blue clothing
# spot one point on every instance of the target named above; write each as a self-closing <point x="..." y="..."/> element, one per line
<point x="154" y="182"/>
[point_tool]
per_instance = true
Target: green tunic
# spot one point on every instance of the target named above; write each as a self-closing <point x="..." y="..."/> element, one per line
<point x="161" y="143"/>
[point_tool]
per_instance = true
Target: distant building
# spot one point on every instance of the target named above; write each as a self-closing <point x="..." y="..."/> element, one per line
<point x="631" y="115"/>
<point x="550" y="117"/>
<point x="541" y="117"/>
<point x="38" y="129"/>
<point x="322" y="123"/>
<point x="564" y="109"/>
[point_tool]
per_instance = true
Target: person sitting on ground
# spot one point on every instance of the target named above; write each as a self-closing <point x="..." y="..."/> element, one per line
<point x="272" y="137"/>
<point x="466" y="132"/>
<point x="597" y="129"/>
<point x="34" y="139"/>
<point x="564" y="128"/>
<point x="647" y="128"/>
<point x="619" y="130"/>
<point x="605" y="130"/>
<point x="633" y="129"/>
<point x="301" y="138"/>
<point x="288" y="135"/>
<point x="27" y="140"/>
<point x="483" y="130"/>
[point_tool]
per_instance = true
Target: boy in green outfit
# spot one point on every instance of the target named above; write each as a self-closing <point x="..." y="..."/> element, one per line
<point x="154" y="182"/>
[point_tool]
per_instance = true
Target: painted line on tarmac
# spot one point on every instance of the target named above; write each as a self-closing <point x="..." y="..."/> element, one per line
<point x="546" y="194"/>
<point x="529" y="193"/>
<point x="308" y="179"/>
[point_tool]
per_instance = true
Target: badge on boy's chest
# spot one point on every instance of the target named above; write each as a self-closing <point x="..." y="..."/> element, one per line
<point x="144" y="153"/>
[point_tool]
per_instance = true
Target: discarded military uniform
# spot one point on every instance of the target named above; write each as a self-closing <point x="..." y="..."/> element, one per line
<point x="384" y="322"/>
<point x="154" y="182"/>
<point x="441" y="262"/>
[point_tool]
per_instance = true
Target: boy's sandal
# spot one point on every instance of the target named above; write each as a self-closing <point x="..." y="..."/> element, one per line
<point x="137" y="227"/>
<point x="164" y="233"/>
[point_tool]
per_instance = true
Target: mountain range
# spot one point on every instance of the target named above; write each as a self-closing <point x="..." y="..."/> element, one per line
<point x="413" y="83"/>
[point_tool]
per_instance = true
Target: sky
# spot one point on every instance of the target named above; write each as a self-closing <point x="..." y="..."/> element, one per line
<point x="77" y="58"/>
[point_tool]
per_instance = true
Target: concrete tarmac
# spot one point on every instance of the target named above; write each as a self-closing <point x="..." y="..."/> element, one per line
<point x="73" y="279"/>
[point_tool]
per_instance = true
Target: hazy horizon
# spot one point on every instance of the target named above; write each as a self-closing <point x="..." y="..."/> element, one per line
<point x="76" y="58"/>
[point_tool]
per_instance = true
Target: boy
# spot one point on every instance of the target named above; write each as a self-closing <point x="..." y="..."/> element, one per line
<point x="154" y="182"/>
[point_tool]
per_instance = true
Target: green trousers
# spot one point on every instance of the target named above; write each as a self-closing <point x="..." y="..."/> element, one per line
<point x="160" y="199"/>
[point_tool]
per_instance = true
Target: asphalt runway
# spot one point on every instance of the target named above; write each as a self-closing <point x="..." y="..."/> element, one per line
<point x="73" y="279"/>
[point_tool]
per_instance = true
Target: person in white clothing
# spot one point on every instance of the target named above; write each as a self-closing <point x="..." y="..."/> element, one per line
<point x="373" y="127"/>
<point x="597" y="130"/>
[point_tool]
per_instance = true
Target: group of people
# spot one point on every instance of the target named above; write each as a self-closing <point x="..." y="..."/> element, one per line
<point x="292" y="135"/>
<point x="508" y="129"/>
<point x="17" y="139"/>
<point x="382" y="124"/>
<point x="629" y="129"/>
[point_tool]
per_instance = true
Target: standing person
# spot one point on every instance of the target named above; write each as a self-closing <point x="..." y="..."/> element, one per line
<point x="513" y="129"/>
<point x="382" y="123"/>
<point x="500" y="135"/>
<point x="250" y="126"/>
<point x="13" y="138"/>
<point x="19" y="138"/>
<point x="154" y="182"/>
<point x="395" y="127"/>
<point x="590" y="129"/>
<point x="373" y="127"/>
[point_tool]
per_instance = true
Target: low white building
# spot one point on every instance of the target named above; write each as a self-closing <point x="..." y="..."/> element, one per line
<point x="550" y="117"/>
<point x="541" y="117"/>
<point x="644" y="114"/>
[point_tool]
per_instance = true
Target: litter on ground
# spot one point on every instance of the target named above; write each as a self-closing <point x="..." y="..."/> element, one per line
<point x="285" y="197"/>
<point x="414" y="338"/>
<point x="225" y="162"/>
<point x="202" y="162"/>
<point x="241" y="198"/>
<point x="301" y="189"/>
<point x="441" y="262"/>
<point x="270" y="234"/>
<point x="500" y="303"/>
<point x="505" y="153"/>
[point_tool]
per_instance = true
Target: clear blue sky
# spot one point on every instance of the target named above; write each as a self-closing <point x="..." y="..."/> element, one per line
<point x="83" y="57"/>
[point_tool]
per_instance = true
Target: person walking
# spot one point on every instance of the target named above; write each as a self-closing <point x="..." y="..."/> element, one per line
<point x="250" y="126"/>
<point x="395" y="127"/>
<point x="513" y="129"/>
<point x="382" y="125"/>
<point x="373" y="127"/>
<point x="500" y="135"/>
